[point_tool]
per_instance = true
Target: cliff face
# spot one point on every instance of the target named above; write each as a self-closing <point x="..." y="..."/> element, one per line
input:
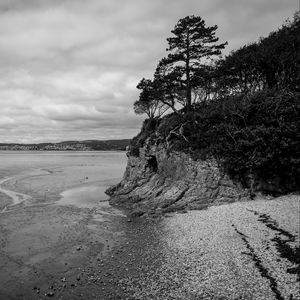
<point x="161" y="181"/>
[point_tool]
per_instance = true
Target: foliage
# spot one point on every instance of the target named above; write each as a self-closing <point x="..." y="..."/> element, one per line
<point x="240" y="72"/>
<point x="280" y="56"/>
<point x="184" y="72"/>
<point x="258" y="135"/>
<point x="245" y="107"/>
<point x="147" y="130"/>
<point x="169" y="90"/>
<point x="148" y="103"/>
<point x="185" y="77"/>
<point x="273" y="62"/>
<point x="192" y="41"/>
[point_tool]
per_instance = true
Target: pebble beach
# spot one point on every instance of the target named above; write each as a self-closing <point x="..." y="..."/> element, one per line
<point x="242" y="250"/>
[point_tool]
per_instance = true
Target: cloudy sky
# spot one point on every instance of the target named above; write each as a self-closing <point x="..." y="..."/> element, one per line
<point x="69" y="68"/>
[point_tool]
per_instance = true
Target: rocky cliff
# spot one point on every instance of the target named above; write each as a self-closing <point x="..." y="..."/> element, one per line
<point x="159" y="180"/>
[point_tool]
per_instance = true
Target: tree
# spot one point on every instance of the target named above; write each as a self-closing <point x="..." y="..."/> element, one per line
<point x="204" y="85"/>
<point x="168" y="87"/>
<point x="239" y="72"/>
<point x="280" y="56"/>
<point x="148" y="102"/>
<point x="273" y="62"/>
<point x="192" y="42"/>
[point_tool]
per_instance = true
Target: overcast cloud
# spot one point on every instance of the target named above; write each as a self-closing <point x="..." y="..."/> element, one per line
<point x="69" y="68"/>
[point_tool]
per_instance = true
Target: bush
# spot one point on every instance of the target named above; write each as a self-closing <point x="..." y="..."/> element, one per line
<point x="260" y="137"/>
<point x="147" y="130"/>
<point x="256" y="135"/>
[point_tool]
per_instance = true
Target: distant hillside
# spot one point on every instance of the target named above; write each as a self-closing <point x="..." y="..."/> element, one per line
<point x="89" y="145"/>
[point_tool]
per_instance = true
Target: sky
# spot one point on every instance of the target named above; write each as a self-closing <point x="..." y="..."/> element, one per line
<point x="69" y="68"/>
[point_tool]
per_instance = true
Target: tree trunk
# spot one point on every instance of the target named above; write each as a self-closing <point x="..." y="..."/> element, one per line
<point x="188" y="87"/>
<point x="188" y="79"/>
<point x="188" y="98"/>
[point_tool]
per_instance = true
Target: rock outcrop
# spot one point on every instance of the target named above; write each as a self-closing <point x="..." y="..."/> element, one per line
<point x="158" y="180"/>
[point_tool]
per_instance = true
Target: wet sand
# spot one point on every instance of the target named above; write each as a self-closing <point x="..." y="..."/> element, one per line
<point x="46" y="245"/>
<point x="73" y="250"/>
<point x="13" y="197"/>
<point x="56" y="230"/>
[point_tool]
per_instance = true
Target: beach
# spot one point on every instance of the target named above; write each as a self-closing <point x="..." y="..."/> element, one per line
<point x="242" y="250"/>
<point x="55" y="223"/>
<point x="60" y="238"/>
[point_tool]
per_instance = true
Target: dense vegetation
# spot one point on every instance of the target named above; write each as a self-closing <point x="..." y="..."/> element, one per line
<point x="242" y="109"/>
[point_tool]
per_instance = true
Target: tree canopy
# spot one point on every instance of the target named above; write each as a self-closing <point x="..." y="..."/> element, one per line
<point x="148" y="102"/>
<point x="191" y="72"/>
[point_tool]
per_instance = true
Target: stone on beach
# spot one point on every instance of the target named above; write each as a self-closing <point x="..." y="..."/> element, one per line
<point x="226" y="252"/>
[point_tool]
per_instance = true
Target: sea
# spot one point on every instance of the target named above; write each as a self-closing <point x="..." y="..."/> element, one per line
<point x="78" y="178"/>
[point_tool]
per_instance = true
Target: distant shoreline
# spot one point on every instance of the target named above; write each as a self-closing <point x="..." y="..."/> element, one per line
<point x="41" y="150"/>
<point x="88" y="145"/>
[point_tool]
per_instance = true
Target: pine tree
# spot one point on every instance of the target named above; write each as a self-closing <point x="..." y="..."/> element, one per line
<point x="192" y="43"/>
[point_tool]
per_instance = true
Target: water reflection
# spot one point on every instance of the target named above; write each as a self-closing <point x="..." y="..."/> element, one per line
<point x="83" y="196"/>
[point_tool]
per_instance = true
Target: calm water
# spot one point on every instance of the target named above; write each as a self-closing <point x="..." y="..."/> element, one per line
<point x="73" y="178"/>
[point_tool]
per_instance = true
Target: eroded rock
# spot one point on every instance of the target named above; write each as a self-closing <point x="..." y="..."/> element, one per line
<point x="161" y="181"/>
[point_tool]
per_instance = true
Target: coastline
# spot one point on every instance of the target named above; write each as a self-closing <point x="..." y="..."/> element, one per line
<point x="228" y="251"/>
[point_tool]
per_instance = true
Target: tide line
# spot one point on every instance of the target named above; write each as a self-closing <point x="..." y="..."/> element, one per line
<point x="16" y="197"/>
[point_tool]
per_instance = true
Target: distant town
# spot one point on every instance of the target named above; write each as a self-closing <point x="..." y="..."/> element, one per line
<point x="89" y="145"/>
